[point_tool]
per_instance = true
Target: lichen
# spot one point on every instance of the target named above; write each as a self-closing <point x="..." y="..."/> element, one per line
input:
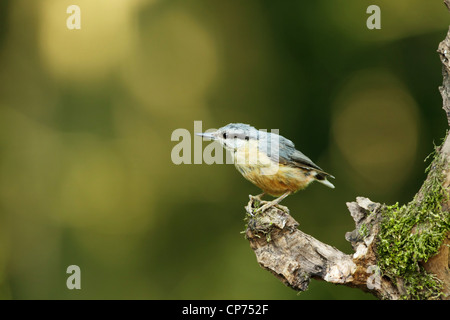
<point x="259" y="224"/>
<point x="410" y="234"/>
<point x="264" y="223"/>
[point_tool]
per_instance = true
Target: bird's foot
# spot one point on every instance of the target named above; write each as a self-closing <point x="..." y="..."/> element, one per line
<point x="266" y="206"/>
<point x="254" y="205"/>
<point x="272" y="203"/>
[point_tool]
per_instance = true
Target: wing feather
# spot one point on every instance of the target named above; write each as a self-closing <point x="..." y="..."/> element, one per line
<point x="287" y="153"/>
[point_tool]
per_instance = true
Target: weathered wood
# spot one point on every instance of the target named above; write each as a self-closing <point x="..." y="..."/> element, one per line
<point x="295" y="257"/>
<point x="444" y="54"/>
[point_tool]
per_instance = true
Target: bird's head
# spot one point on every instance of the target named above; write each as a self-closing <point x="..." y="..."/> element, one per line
<point x="233" y="136"/>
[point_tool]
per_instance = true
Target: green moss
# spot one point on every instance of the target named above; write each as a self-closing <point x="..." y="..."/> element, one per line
<point x="413" y="233"/>
<point x="363" y="231"/>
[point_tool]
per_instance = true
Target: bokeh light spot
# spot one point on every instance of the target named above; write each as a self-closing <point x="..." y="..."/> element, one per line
<point x="375" y="126"/>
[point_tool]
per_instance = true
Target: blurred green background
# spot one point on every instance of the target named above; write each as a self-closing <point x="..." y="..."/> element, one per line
<point x="86" y="118"/>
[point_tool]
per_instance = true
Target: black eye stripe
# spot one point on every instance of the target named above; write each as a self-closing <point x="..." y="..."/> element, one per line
<point x="224" y="135"/>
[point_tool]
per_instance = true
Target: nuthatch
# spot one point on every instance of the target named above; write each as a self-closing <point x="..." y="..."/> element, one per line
<point x="268" y="160"/>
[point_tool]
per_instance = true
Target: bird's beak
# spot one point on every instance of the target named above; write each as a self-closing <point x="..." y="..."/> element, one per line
<point x="207" y="135"/>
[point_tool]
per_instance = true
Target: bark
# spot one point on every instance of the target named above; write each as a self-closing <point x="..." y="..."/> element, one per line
<point x="295" y="257"/>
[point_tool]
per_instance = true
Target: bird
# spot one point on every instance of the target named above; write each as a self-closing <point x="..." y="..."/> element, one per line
<point x="268" y="160"/>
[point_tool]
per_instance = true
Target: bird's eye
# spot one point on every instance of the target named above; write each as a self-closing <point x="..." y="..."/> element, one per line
<point x="247" y="138"/>
<point x="224" y="135"/>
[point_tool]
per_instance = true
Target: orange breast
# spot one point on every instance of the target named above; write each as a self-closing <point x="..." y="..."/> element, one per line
<point x="273" y="179"/>
<point x="282" y="180"/>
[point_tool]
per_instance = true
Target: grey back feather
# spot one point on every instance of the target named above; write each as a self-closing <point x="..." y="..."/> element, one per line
<point x="287" y="154"/>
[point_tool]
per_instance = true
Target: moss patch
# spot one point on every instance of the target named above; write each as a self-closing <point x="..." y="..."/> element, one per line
<point x="259" y="224"/>
<point x="413" y="233"/>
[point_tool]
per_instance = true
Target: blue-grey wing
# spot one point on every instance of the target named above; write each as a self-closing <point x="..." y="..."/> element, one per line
<point x="298" y="159"/>
<point x="283" y="151"/>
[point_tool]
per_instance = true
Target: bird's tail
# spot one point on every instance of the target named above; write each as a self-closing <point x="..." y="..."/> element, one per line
<point x="327" y="183"/>
<point x="322" y="178"/>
